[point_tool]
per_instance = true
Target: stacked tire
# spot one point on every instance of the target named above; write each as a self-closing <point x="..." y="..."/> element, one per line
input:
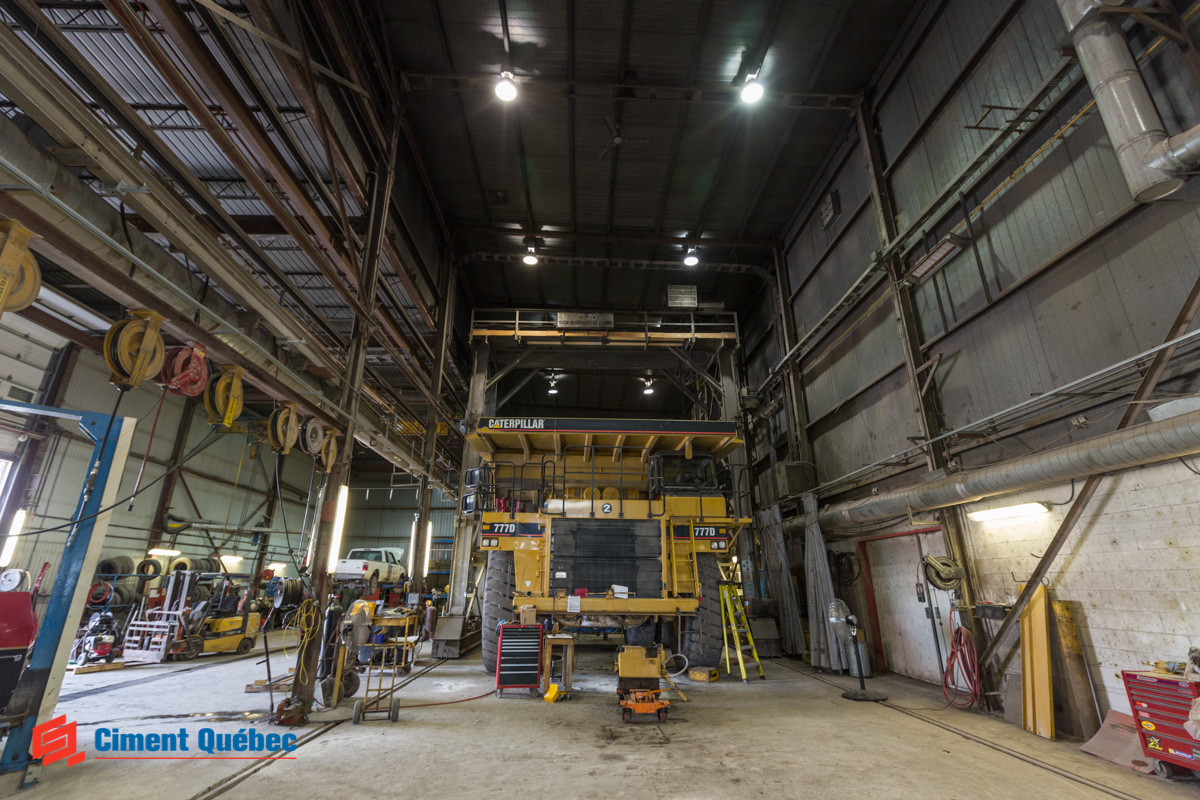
<point x="117" y="565"/>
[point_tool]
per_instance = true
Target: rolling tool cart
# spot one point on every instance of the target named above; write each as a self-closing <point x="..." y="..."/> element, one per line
<point x="1161" y="702"/>
<point x="519" y="658"/>
<point x="396" y="652"/>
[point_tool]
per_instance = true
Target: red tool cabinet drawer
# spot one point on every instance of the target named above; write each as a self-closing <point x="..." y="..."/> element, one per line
<point x="1161" y="703"/>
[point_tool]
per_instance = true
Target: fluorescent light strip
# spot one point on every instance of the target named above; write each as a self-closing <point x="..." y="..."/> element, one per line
<point x="1008" y="512"/>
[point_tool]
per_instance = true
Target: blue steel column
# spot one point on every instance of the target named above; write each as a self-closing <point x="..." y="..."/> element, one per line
<point x="29" y="698"/>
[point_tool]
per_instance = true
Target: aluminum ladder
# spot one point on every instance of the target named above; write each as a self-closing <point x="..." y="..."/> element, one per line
<point x="735" y="627"/>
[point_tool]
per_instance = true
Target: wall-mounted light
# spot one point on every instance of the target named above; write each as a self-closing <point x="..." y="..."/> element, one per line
<point x="934" y="260"/>
<point x="159" y="551"/>
<point x="339" y="522"/>
<point x="506" y="87"/>
<point x="230" y="559"/>
<point x="530" y="257"/>
<point x="752" y="92"/>
<point x="649" y="385"/>
<point x="1009" y="512"/>
<point x="10" y="541"/>
<point x="277" y="567"/>
<point x="692" y="258"/>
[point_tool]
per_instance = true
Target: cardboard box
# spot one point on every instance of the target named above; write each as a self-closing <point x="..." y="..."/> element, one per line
<point x="528" y="615"/>
<point x="703" y="674"/>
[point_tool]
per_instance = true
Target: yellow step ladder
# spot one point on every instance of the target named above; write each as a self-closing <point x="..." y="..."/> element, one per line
<point x="736" y="627"/>
<point x="684" y="576"/>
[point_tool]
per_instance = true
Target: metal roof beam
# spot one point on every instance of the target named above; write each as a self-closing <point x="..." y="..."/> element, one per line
<point x="707" y="94"/>
<point x="622" y="238"/>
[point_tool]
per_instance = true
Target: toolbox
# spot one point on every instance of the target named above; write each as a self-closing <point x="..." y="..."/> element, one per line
<point x="1161" y="702"/>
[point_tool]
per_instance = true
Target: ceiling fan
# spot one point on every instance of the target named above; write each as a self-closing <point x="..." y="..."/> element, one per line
<point x="618" y="139"/>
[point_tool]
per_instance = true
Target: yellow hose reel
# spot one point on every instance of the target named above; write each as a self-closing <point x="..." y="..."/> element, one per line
<point x="329" y="452"/>
<point x="20" y="277"/>
<point x="223" y="395"/>
<point x="283" y="427"/>
<point x="134" y="349"/>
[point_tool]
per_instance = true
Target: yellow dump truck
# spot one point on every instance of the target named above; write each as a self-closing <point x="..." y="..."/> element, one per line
<point x="607" y="526"/>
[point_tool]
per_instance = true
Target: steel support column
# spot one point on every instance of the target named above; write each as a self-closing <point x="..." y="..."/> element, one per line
<point x="924" y="390"/>
<point x="429" y="451"/>
<point x="304" y="686"/>
<point x="480" y="390"/>
<point x="739" y="464"/>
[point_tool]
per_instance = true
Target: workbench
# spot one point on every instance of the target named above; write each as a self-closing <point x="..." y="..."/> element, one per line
<point x="567" y="643"/>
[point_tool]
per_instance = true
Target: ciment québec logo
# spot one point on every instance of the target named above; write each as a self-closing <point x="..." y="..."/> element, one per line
<point x="56" y="739"/>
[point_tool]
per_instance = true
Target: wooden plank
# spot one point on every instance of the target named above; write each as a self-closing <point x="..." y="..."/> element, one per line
<point x="1037" y="689"/>
<point x="84" y="669"/>
<point x="1079" y="684"/>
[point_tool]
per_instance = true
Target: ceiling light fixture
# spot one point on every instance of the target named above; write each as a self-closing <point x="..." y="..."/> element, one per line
<point x="277" y="567"/>
<point x="649" y="386"/>
<point x="231" y="559"/>
<point x="161" y="551"/>
<point x="1009" y="512"/>
<point x="553" y="386"/>
<point x="752" y="92"/>
<point x="691" y="259"/>
<point x="530" y="256"/>
<point x="506" y="87"/>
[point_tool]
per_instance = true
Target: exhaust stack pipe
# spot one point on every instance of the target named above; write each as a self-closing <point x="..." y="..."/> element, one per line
<point x="1129" y="115"/>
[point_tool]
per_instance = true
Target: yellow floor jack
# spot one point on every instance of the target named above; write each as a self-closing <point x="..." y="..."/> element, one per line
<point x="639" y="672"/>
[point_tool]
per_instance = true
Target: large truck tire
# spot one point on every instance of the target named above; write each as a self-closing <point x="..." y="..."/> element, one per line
<point x="497" y="602"/>
<point x="703" y="642"/>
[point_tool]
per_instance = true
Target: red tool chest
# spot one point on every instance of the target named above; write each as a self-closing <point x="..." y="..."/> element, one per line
<point x="1161" y="703"/>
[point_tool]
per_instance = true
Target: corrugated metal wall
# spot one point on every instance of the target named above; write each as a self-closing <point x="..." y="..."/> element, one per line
<point x="1067" y="277"/>
<point x="1051" y="322"/>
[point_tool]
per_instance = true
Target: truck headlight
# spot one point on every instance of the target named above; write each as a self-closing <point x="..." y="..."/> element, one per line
<point x="714" y="545"/>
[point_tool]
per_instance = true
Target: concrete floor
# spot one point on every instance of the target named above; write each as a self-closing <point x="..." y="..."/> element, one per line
<point x="791" y="735"/>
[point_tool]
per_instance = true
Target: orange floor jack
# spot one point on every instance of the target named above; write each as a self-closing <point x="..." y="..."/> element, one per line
<point x="636" y="701"/>
<point x="639" y="670"/>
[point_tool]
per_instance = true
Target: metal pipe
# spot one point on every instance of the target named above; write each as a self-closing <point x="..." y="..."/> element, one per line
<point x="1179" y="153"/>
<point x="1124" y="102"/>
<point x="1132" y="447"/>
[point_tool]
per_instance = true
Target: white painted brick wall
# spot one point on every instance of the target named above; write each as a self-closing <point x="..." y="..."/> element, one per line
<point x="1132" y="564"/>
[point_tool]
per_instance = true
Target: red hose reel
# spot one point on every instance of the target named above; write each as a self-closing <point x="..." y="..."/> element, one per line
<point x="185" y="372"/>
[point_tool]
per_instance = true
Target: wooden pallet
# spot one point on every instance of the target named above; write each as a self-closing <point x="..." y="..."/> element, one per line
<point x="281" y="684"/>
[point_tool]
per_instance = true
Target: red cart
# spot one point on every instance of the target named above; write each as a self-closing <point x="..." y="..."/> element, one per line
<point x="1161" y="702"/>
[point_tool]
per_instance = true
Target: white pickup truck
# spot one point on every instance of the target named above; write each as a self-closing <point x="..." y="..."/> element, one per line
<point x="372" y="566"/>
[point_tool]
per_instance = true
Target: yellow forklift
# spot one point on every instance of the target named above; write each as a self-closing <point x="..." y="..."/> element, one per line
<point x="606" y="526"/>
<point x="224" y="623"/>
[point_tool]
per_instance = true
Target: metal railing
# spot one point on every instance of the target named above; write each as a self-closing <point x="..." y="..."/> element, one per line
<point x="536" y="487"/>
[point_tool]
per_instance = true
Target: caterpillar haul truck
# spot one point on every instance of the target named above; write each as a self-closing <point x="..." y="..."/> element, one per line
<point x="616" y="527"/>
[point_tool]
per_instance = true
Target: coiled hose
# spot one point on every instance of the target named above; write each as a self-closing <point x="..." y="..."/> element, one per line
<point x="962" y="669"/>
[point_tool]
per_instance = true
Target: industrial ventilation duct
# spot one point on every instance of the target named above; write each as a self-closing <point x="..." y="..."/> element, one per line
<point x="1151" y="162"/>
<point x="1132" y="447"/>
